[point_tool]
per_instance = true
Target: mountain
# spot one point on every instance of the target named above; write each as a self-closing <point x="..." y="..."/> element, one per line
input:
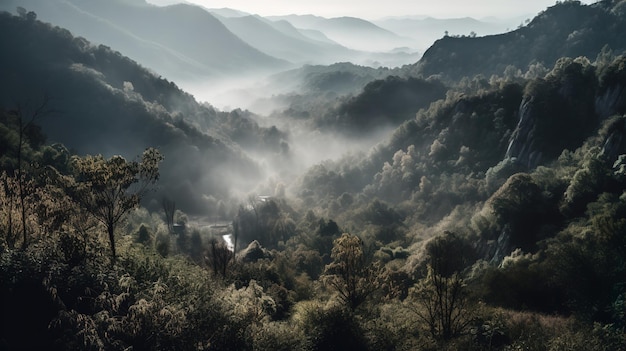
<point x="304" y="34"/>
<point x="426" y="30"/>
<point x="105" y="103"/>
<point x="227" y="12"/>
<point x="501" y="199"/>
<point x="280" y="39"/>
<point x="299" y="21"/>
<point x="382" y="104"/>
<point x="208" y="48"/>
<point x="565" y="29"/>
<point x="354" y="33"/>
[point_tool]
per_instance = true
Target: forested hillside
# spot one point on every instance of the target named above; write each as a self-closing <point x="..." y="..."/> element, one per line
<point x="491" y="217"/>
<point x="103" y="102"/>
<point x="565" y="29"/>
<point x="172" y="40"/>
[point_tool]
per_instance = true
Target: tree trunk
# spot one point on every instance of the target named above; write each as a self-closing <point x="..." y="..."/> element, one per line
<point x="111" y="231"/>
<point x="20" y="183"/>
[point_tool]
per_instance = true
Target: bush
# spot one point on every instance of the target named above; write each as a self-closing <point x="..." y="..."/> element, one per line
<point x="328" y="328"/>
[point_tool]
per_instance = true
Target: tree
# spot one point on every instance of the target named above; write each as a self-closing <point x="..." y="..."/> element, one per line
<point x="109" y="189"/>
<point x="442" y="295"/>
<point x="21" y="11"/>
<point x="31" y="16"/>
<point x="169" y="207"/>
<point x="29" y="137"/>
<point x="350" y="274"/>
<point x="219" y="257"/>
<point x="443" y="301"/>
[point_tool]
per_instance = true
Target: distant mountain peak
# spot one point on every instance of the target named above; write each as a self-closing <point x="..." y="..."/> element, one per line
<point x="228" y="12"/>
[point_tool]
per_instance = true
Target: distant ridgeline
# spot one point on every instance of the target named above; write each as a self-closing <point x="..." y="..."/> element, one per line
<point x="172" y="40"/>
<point x="497" y="202"/>
<point x="108" y="104"/>
<point x="566" y="29"/>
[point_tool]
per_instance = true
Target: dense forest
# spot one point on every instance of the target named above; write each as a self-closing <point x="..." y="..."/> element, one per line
<point x="491" y="214"/>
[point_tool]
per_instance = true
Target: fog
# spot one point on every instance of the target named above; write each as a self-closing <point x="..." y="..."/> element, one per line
<point x="306" y="144"/>
<point x="270" y="89"/>
<point x="372" y="9"/>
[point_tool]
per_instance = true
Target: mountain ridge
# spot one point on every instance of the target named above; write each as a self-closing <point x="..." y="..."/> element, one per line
<point x="565" y="29"/>
<point x="110" y="105"/>
<point x="218" y="54"/>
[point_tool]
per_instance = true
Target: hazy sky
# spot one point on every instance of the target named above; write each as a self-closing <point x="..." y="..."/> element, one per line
<point x="375" y="9"/>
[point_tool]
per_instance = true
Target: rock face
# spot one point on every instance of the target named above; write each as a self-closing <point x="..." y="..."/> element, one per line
<point x="558" y="113"/>
<point x="528" y="142"/>
<point x="614" y="143"/>
<point x="568" y="29"/>
<point x="612" y="101"/>
<point x="522" y="145"/>
<point x="502" y="247"/>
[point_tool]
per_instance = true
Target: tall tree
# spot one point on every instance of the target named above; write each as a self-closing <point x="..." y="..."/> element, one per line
<point x="28" y="135"/>
<point x="350" y="274"/>
<point x="219" y="257"/>
<point x="444" y="304"/>
<point x="442" y="294"/>
<point x="169" y="207"/>
<point x="109" y="189"/>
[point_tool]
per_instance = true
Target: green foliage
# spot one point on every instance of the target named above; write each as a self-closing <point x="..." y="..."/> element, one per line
<point x="592" y="253"/>
<point x="219" y="257"/>
<point x="550" y="240"/>
<point x="441" y="296"/>
<point x="566" y="97"/>
<point x="442" y="305"/>
<point x="387" y="102"/>
<point x="350" y="274"/>
<point x="522" y="282"/>
<point x="144" y="236"/>
<point x="109" y="189"/>
<point x="266" y="220"/>
<point x="90" y="84"/>
<point x="330" y="327"/>
<point x="449" y="254"/>
<point x="566" y="29"/>
<point x="519" y="205"/>
<point x="279" y="336"/>
<point x="162" y="244"/>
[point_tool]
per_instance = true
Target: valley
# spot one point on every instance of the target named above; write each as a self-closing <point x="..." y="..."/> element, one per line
<point x="187" y="177"/>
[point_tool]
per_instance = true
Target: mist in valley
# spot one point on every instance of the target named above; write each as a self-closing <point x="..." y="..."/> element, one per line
<point x="185" y="176"/>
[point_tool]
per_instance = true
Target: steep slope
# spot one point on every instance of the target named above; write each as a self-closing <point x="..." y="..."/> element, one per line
<point x="208" y="47"/>
<point x="384" y="103"/>
<point x="565" y="29"/>
<point x="299" y="21"/>
<point x="354" y="33"/>
<point x="227" y="12"/>
<point x="284" y="41"/>
<point x="467" y="146"/>
<point x="107" y="104"/>
<point x="340" y="78"/>
<point x="425" y="31"/>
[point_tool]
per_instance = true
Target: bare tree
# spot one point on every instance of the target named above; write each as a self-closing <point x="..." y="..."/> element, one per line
<point x="26" y="120"/>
